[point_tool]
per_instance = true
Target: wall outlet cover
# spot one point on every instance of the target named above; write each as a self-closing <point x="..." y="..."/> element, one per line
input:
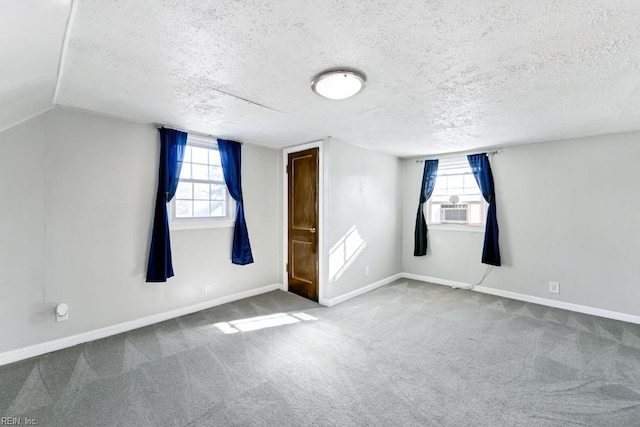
<point x="62" y="312"/>
<point x="554" y="287"/>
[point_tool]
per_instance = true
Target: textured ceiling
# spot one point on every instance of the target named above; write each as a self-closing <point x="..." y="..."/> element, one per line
<point x="443" y="76"/>
<point x="31" y="32"/>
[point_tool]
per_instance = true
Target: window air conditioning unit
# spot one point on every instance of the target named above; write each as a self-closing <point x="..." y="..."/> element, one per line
<point x="456" y="214"/>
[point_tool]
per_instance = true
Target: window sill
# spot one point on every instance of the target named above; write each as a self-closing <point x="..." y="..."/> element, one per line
<point x="457" y="227"/>
<point x="200" y="224"/>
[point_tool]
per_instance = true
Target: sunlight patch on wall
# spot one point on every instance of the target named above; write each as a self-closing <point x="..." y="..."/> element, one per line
<point x="345" y="252"/>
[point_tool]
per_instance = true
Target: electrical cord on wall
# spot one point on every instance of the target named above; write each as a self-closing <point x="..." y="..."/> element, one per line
<point x="486" y="273"/>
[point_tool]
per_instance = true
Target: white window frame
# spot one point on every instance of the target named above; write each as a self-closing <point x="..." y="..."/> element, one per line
<point x="443" y="166"/>
<point x="176" y="223"/>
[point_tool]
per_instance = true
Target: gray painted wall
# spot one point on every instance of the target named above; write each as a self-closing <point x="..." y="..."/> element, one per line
<point x="567" y="211"/>
<point x="364" y="198"/>
<point x="78" y="201"/>
<point x="75" y="226"/>
<point x="22" y="233"/>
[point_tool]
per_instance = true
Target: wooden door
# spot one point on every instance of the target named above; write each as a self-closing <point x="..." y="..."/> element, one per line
<point x="302" y="269"/>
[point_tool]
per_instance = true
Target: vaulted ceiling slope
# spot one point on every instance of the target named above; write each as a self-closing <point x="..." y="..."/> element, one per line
<point x="30" y="47"/>
<point x="443" y="76"/>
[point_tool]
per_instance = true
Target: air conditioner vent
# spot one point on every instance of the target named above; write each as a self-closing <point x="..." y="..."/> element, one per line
<point x="456" y="214"/>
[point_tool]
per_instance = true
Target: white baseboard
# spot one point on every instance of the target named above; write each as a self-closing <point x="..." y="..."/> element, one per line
<point x="342" y="298"/>
<point x="625" y="317"/>
<point x="437" y="281"/>
<point x="61" y="343"/>
<point x="58" y="344"/>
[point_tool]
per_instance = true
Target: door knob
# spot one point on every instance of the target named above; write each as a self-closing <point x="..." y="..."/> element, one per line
<point x="313" y="230"/>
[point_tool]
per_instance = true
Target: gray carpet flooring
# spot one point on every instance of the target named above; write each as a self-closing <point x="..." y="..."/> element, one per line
<point x="407" y="354"/>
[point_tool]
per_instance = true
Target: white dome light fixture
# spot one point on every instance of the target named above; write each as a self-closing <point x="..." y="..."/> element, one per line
<point x="338" y="84"/>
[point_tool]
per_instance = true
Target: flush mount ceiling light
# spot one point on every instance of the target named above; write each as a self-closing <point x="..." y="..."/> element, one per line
<point x="338" y="84"/>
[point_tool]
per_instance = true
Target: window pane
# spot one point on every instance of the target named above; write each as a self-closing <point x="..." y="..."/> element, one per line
<point x="475" y="214"/>
<point x="200" y="172"/>
<point x="457" y="170"/>
<point x="435" y="213"/>
<point x="455" y="182"/>
<point x="470" y="198"/>
<point x="470" y="181"/>
<point x="441" y="199"/>
<point x="201" y="191"/>
<point x="440" y="189"/>
<point x="200" y="155"/>
<point x="187" y="154"/>
<point x="471" y="190"/>
<point x="183" y="209"/>
<point x="185" y="172"/>
<point x="200" y="208"/>
<point x="201" y="199"/>
<point x="214" y="157"/>
<point x="218" y="209"/>
<point x="185" y="191"/>
<point x="218" y="192"/>
<point x="215" y="173"/>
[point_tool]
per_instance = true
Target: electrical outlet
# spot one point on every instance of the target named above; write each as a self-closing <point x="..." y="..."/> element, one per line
<point x="366" y="271"/>
<point x="207" y="289"/>
<point x="554" y="287"/>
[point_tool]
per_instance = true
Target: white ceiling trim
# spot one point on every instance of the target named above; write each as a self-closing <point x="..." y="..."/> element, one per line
<point x="65" y="47"/>
<point x="26" y="119"/>
<point x="170" y="125"/>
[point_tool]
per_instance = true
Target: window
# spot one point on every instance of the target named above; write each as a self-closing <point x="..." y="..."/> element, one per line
<point x="456" y="198"/>
<point x="202" y="198"/>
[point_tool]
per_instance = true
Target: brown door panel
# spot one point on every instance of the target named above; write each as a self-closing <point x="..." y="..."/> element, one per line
<point x="303" y="223"/>
<point x="302" y="171"/>
<point x="301" y="269"/>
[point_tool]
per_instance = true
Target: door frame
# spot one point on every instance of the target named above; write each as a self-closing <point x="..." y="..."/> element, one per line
<point x="321" y="214"/>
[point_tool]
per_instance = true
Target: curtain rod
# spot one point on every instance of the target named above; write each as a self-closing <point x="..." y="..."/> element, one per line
<point x="463" y="154"/>
<point x="200" y="134"/>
